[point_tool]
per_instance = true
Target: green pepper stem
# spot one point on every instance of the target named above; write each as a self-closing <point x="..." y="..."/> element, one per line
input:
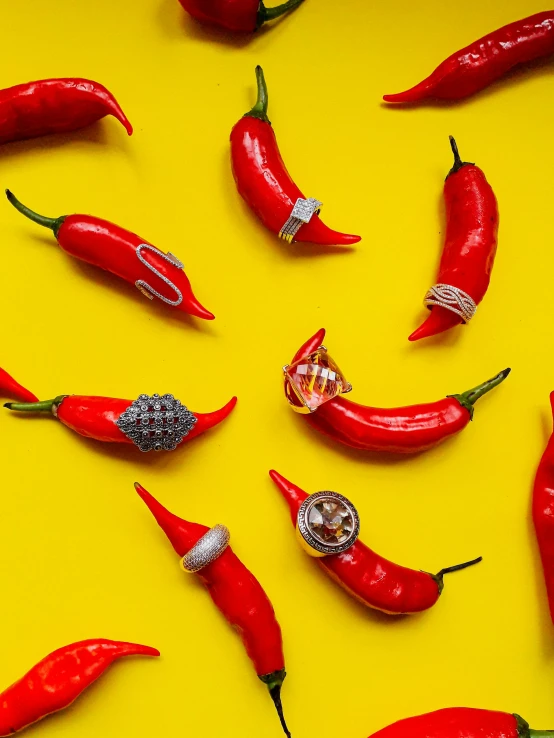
<point x="449" y="569"/>
<point x="45" y="406"/>
<point x="53" y="223"/>
<point x="458" y="163"/>
<point x="274" y="683"/>
<point x="269" y="14"/>
<point x="469" y="398"/>
<point x="541" y="733"/>
<point x="260" y="108"/>
<point x="524" y="731"/>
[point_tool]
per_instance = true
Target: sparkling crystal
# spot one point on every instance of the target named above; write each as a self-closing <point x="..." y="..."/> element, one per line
<point x="316" y="379"/>
<point x="331" y="522"/>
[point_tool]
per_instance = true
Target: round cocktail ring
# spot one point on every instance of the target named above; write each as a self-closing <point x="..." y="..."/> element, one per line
<point x="327" y="523"/>
<point x="207" y="549"/>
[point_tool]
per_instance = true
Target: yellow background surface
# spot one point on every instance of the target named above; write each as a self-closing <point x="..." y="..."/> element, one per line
<point x="80" y="554"/>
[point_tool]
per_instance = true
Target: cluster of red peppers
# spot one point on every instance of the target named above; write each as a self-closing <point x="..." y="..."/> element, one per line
<point x="62" y="105"/>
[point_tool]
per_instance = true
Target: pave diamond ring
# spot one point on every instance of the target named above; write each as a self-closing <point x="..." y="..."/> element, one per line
<point x="156" y="423"/>
<point x="302" y="212"/>
<point x="327" y="523"/>
<point x="147" y="289"/>
<point x="453" y="299"/>
<point x="207" y="549"/>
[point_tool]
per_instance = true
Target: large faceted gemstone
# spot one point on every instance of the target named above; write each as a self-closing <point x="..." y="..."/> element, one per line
<point x="331" y="522"/>
<point x="316" y="379"/>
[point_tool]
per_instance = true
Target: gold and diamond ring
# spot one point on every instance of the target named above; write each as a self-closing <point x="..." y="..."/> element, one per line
<point x="312" y="381"/>
<point x="207" y="549"/>
<point x="453" y="299"/>
<point x="302" y="212"/>
<point x="327" y="524"/>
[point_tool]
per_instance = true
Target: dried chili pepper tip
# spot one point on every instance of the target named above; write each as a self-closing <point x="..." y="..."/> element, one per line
<point x="469" y="398"/>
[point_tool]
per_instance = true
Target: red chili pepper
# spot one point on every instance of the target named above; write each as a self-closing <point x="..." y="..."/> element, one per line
<point x="370" y="578"/>
<point x="55" y="106"/>
<point x="470" y="244"/>
<point x="237" y="594"/>
<point x="124" y="254"/>
<point x="402" y="430"/>
<point x="96" y="417"/>
<point x="462" y="722"/>
<point x="236" y="15"/>
<point x="262" y="178"/>
<point x="543" y="514"/>
<point x="473" y="68"/>
<point x="56" y="681"/>
<point x="10" y="388"/>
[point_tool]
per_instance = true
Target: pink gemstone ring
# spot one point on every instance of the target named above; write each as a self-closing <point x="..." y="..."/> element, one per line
<point x="313" y="380"/>
<point x="327" y="524"/>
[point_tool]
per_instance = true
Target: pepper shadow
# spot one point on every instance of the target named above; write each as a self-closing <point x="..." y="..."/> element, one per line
<point x="517" y="76"/>
<point x="101" y="133"/>
<point x="106" y="281"/>
<point x="270" y="240"/>
<point x="178" y="24"/>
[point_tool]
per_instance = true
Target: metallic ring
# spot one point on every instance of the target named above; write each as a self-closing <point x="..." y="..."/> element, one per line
<point x="327" y="523"/>
<point x="453" y="299"/>
<point x="147" y="289"/>
<point x="312" y="381"/>
<point x="302" y="212"/>
<point x="156" y="423"/>
<point x="207" y="549"/>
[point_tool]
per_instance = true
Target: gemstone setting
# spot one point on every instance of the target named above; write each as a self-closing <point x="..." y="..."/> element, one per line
<point x="328" y="523"/>
<point x="314" y="380"/>
<point x="156" y="423"/>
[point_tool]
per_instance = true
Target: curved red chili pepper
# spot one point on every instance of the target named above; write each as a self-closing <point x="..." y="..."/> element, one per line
<point x="244" y="16"/>
<point x="462" y="722"/>
<point x="55" y="106"/>
<point x="56" y="681"/>
<point x="237" y="594"/>
<point x="116" y="250"/>
<point x="10" y="388"/>
<point x="96" y="417"/>
<point x="402" y="430"/>
<point x="474" y="67"/>
<point x="262" y="178"/>
<point x="370" y="578"/>
<point x="543" y="514"/>
<point x="471" y="239"/>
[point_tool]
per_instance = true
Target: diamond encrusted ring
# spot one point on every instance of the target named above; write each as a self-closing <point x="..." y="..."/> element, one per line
<point x="156" y="423"/>
<point x="453" y="299"/>
<point x="327" y="523"/>
<point x="207" y="549"/>
<point x="302" y="212"/>
<point x="147" y="289"/>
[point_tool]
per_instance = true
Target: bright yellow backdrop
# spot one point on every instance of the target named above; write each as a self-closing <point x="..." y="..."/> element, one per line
<point x="80" y="554"/>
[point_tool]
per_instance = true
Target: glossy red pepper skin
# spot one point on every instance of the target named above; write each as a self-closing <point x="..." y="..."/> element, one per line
<point x="56" y="681"/>
<point x="55" y="106"/>
<point x="462" y="722"/>
<point x="471" y="240"/>
<point x="96" y="417"/>
<point x="12" y="389"/>
<point x="543" y="514"/>
<point x="242" y="16"/>
<point x="474" y="67"/>
<point x="237" y="594"/>
<point x="263" y="180"/>
<point x="114" y="249"/>
<point x="402" y="430"/>
<point x="370" y="578"/>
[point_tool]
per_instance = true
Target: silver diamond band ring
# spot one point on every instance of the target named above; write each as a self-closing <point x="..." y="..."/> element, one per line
<point x="453" y="299"/>
<point x="302" y="212"/>
<point x="156" y="423"/>
<point x="327" y="523"/>
<point x="147" y="289"/>
<point x="207" y="549"/>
